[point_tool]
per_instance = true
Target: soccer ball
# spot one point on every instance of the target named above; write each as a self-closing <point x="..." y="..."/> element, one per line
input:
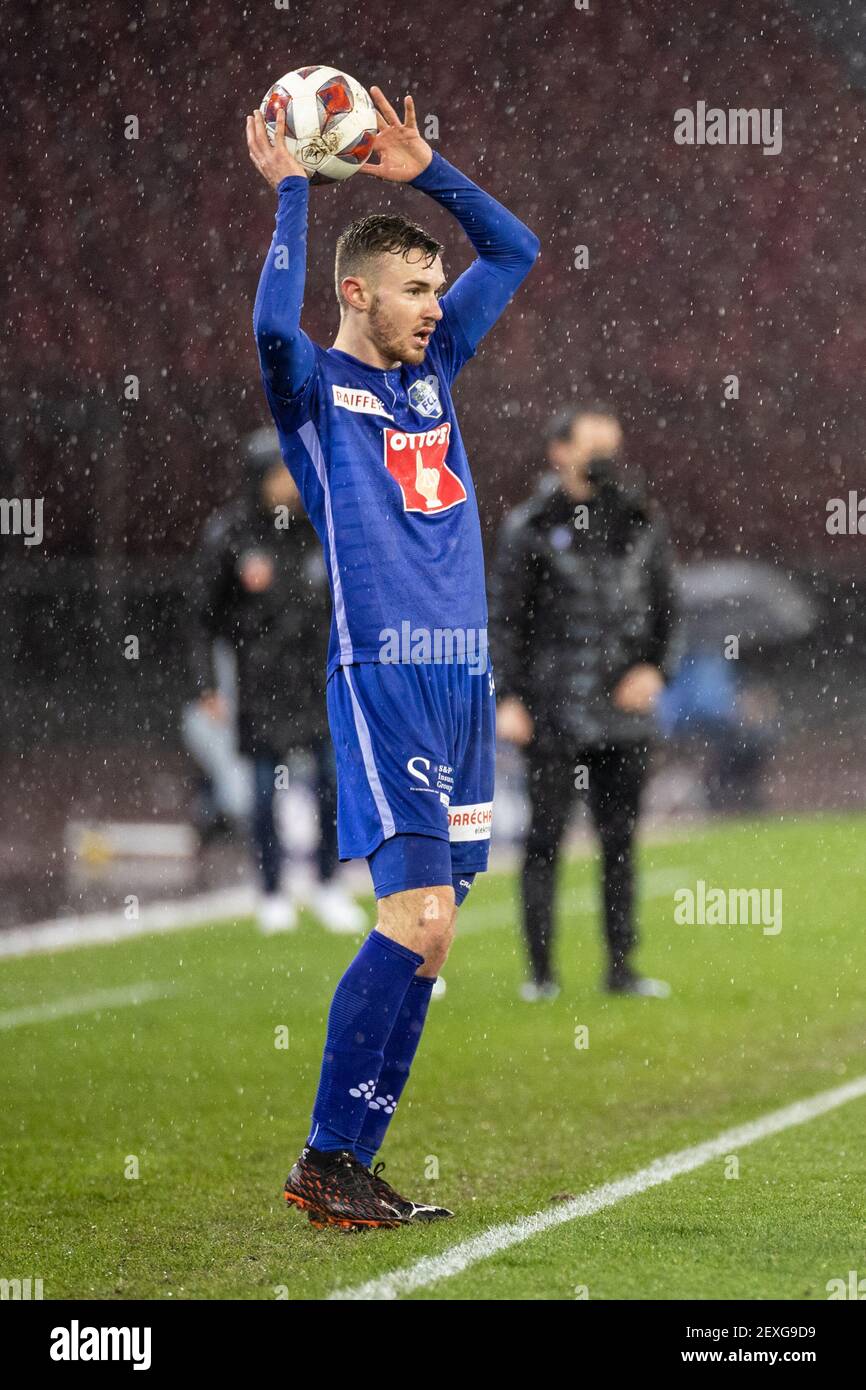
<point x="330" y="121"/>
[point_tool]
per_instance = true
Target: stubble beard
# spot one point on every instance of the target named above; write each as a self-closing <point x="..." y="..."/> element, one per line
<point x="384" y="338"/>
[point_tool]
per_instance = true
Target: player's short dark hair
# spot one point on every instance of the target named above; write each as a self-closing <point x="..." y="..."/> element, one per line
<point x="561" y="423"/>
<point x="376" y="235"/>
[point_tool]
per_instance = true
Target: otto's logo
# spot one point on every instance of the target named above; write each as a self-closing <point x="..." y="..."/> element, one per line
<point x="424" y="397"/>
<point x="417" y="463"/>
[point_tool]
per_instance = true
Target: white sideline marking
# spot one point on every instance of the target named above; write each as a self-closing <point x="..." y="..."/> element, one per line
<point x="226" y="904"/>
<point x="498" y="1238"/>
<point x="104" y="928"/>
<point x="86" y="1003"/>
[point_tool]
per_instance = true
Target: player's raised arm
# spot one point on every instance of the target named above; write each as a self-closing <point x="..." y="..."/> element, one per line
<point x="285" y="352"/>
<point x="506" y="248"/>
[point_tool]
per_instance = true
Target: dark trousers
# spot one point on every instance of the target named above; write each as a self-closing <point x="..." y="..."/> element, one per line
<point x="614" y="780"/>
<point x="266" y="843"/>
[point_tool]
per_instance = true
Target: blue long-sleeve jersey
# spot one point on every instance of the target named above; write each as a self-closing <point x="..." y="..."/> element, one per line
<point x="377" y="455"/>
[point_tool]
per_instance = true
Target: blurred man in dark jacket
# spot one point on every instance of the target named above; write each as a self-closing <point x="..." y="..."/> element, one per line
<point x="261" y="585"/>
<point x="580" y="617"/>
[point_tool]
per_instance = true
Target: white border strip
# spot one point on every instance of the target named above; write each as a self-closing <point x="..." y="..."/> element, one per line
<point x="493" y="1241"/>
<point x="362" y="729"/>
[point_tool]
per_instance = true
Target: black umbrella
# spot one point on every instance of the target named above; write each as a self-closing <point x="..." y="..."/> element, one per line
<point x="761" y="605"/>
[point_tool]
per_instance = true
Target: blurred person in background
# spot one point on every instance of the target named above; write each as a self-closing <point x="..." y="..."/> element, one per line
<point x="725" y="720"/>
<point x="581" y="612"/>
<point x="261" y="586"/>
<point x="224" y="792"/>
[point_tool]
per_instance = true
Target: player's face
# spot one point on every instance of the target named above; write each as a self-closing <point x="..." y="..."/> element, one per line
<point x="405" y="307"/>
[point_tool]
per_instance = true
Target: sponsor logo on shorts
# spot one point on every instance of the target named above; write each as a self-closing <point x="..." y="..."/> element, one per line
<point x="437" y="778"/>
<point x="470" y="822"/>
<point x="419" y="767"/>
<point x="361" y="402"/>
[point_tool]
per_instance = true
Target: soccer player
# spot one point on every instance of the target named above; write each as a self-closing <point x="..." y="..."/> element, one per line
<point x="368" y="430"/>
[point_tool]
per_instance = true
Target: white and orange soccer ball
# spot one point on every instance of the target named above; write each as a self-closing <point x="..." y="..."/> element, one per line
<point x="330" y="121"/>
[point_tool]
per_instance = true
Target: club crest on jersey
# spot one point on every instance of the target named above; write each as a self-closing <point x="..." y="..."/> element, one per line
<point x="424" y="397"/>
<point x="417" y="463"/>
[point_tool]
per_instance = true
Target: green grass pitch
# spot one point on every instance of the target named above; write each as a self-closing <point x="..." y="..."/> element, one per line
<point x="192" y="1089"/>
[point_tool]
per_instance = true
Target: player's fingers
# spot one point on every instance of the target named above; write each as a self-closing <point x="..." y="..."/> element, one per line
<point x="374" y="169"/>
<point x="384" y="106"/>
<point x="262" y="132"/>
<point x="382" y="123"/>
<point x="258" y="135"/>
<point x="409" y="109"/>
<point x="252" y="141"/>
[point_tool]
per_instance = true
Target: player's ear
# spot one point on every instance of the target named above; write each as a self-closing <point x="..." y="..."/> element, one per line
<point x="355" y="292"/>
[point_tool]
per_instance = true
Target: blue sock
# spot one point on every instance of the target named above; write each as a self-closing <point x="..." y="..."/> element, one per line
<point x="400" y="1052"/>
<point x="365" y="1008"/>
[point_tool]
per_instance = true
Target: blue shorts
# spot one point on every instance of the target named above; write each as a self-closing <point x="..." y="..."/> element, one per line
<point x="415" y="748"/>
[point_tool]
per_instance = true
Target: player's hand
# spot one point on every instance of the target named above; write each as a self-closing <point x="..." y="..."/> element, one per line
<point x="273" y="161"/>
<point x="638" y="690"/>
<point x="513" y="721"/>
<point x="215" y="706"/>
<point x="402" y="153"/>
